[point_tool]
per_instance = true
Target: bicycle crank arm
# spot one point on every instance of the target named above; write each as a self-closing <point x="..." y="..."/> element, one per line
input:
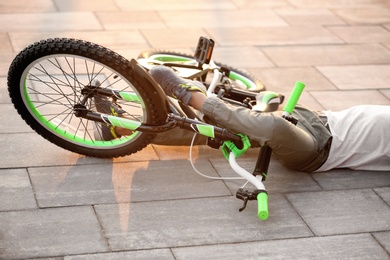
<point x="123" y="122"/>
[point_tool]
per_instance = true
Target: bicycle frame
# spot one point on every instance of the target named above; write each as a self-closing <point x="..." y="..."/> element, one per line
<point x="232" y="145"/>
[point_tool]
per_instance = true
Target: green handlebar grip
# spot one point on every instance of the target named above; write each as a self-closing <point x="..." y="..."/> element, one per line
<point x="293" y="100"/>
<point x="262" y="202"/>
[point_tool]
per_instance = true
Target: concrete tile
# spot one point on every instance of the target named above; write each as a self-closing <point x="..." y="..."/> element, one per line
<point x="283" y="79"/>
<point x="130" y="20"/>
<point x="384" y="193"/>
<point x="5" y="45"/>
<point x="82" y="21"/>
<point x="347" y="4"/>
<point x="241" y="57"/>
<point x="301" y="56"/>
<point x="202" y="221"/>
<point x="173" y="38"/>
<point x="386" y="93"/>
<point x="309" y="17"/>
<point x="350" y="179"/>
<point x="332" y="247"/>
<point x="4" y="97"/>
<point x="23" y="6"/>
<point x="338" y="100"/>
<point x="272" y="36"/>
<point x="123" y="182"/>
<point x="358" y="77"/>
<point x="224" y="19"/>
<point x="126" y="5"/>
<point x="109" y="39"/>
<point x="361" y="34"/>
<point x="387" y="45"/>
<point x="50" y="232"/>
<point x="163" y="254"/>
<point x="166" y="152"/>
<point x="245" y="4"/>
<point x="384" y="239"/>
<point x="5" y="61"/>
<point x="17" y="125"/>
<point x="18" y="152"/>
<point x="15" y="190"/>
<point x="279" y="180"/>
<point x="342" y="212"/>
<point x="365" y="16"/>
<point x="86" y="5"/>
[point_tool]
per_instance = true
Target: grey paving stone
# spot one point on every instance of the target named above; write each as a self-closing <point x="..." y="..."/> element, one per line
<point x="342" y="212"/>
<point x="5" y="61"/>
<point x="244" y="4"/>
<point x="4" y="97"/>
<point x="110" y="39"/>
<point x="166" y="152"/>
<point x="283" y="79"/>
<point x="5" y="45"/>
<point x="50" y="232"/>
<point x="86" y="5"/>
<point x="15" y="190"/>
<point x="361" y="34"/>
<point x="332" y="247"/>
<point x="224" y="19"/>
<point x="386" y="93"/>
<point x="279" y="180"/>
<point x="301" y="56"/>
<point x="174" y="5"/>
<point x="384" y="239"/>
<point x="163" y="254"/>
<point x="384" y="193"/>
<point x="173" y="38"/>
<point x="83" y="21"/>
<point x="337" y="100"/>
<point x="358" y="77"/>
<point x="273" y="36"/>
<point x="16" y="125"/>
<point x="30" y="149"/>
<point x="242" y="57"/>
<point x="193" y="222"/>
<point x="123" y="182"/>
<point x="365" y="16"/>
<point x="23" y="6"/>
<point x="130" y="20"/>
<point x="309" y="16"/>
<point x="350" y="179"/>
<point x="342" y="4"/>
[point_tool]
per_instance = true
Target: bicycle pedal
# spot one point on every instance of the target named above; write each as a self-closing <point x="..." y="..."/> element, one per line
<point x="204" y="50"/>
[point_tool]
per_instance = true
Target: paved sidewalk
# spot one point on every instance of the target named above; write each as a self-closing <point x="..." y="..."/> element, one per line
<point x="152" y="205"/>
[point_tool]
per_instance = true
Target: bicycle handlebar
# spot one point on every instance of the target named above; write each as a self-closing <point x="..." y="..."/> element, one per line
<point x="293" y="100"/>
<point x="262" y="206"/>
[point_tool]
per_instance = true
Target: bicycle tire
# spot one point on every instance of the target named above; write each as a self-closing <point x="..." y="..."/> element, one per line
<point x="239" y="78"/>
<point x="45" y="81"/>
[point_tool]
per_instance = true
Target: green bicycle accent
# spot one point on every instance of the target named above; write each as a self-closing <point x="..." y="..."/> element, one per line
<point x="229" y="146"/>
<point x="128" y="96"/>
<point x="207" y="130"/>
<point x="123" y="122"/>
<point x="293" y="100"/>
<point x="250" y="85"/>
<point x="262" y="201"/>
<point x="170" y="58"/>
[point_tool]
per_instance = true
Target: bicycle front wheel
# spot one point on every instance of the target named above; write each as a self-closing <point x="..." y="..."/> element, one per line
<point x="48" y="79"/>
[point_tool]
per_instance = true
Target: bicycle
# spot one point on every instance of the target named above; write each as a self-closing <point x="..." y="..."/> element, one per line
<point x="58" y="86"/>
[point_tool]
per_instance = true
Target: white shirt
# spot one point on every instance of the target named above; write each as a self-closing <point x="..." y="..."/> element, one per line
<point x="361" y="139"/>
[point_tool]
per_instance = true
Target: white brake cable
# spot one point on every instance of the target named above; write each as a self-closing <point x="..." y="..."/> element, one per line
<point x="206" y="176"/>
